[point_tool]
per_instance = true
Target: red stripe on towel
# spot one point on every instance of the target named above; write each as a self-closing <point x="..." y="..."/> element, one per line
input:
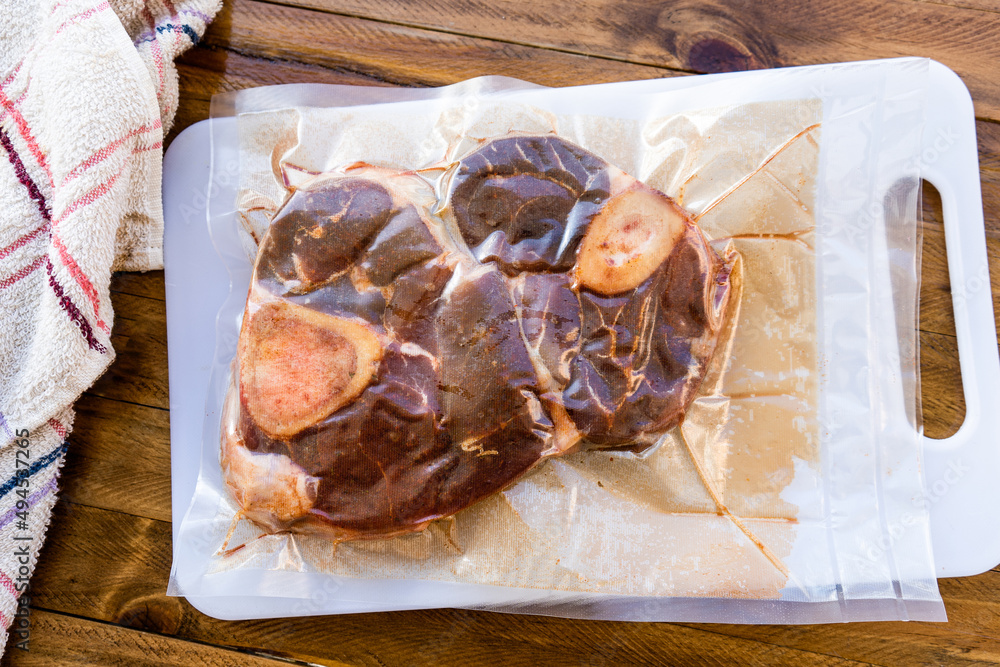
<point x="72" y="311"/>
<point x="154" y="47"/>
<point x="43" y="208"/>
<point x="83" y="16"/>
<point x="109" y="150"/>
<point x="81" y="279"/>
<point x="24" y="177"/>
<point x="89" y="198"/>
<point x="59" y="428"/>
<point x="22" y="127"/>
<point x="6" y="582"/>
<point x="25" y="240"/>
<point x="20" y="274"/>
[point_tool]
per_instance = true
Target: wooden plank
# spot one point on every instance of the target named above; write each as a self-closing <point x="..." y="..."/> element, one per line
<point x="57" y="639"/>
<point x="943" y="400"/>
<point x="113" y="567"/>
<point x="398" y="54"/>
<point x="148" y="284"/>
<point x="207" y="71"/>
<point x="139" y="336"/>
<point x="988" y="137"/>
<point x="119" y="458"/>
<point x="719" y="36"/>
<point x="983" y="5"/>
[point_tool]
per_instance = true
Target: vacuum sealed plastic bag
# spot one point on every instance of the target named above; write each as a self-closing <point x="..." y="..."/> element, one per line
<point x="604" y="351"/>
<point x="402" y="357"/>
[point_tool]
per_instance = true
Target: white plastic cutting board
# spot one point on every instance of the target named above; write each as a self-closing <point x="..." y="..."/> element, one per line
<point x="962" y="472"/>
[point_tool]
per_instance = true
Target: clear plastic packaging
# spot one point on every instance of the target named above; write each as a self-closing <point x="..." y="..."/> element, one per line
<point x="779" y="495"/>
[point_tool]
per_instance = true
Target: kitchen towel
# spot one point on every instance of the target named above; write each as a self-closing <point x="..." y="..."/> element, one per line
<point x="88" y="89"/>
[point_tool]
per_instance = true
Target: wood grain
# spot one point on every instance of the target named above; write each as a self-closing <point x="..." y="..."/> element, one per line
<point x="719" y="35"/>
<point x="139" y="336"/>
<point x="207" y="71"/>
<point x="988" y="138"/>
<point x="982" y="5"/>
<point x="119" y="458"/>
<point x="57" y="639"/>
<point x="399" y="54"/>
<point x="149" y="284"/>
<point x="943" y="400"/>
<point x="937" y="314"/>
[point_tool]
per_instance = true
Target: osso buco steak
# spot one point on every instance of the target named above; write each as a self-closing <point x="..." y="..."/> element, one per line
<point x="405" y="353"/>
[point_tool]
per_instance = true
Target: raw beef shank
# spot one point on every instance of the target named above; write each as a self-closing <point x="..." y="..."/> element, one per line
<point x="403" y="356"/>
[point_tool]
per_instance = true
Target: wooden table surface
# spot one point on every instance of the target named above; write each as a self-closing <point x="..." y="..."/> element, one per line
<point x="98" y="594"/>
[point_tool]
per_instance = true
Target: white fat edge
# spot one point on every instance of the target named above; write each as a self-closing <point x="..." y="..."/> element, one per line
<point x="411" y="349"/>
<point x="466" y="270"/>
<point x="257" y="298"/>
<point x="620" y="182"/>
<point x="271" y="482"/>
<point x="442" y="211"/>
<point x="361" y="282"/>
<point x="546" y="381"/>
<point x="534" y="405"/>
<point x="551" y="390"/>
<point x="254" y="473"/>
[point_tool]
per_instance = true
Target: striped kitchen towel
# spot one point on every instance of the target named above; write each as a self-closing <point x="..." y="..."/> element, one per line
<point x="87" y="90"/>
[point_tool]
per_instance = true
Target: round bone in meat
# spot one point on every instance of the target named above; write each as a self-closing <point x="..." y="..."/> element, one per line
<point x="629" y="239"/>
<point x="299" y="365"/>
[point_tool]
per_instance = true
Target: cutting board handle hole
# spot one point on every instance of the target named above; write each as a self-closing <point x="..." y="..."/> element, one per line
<point x="942" y="396"/>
